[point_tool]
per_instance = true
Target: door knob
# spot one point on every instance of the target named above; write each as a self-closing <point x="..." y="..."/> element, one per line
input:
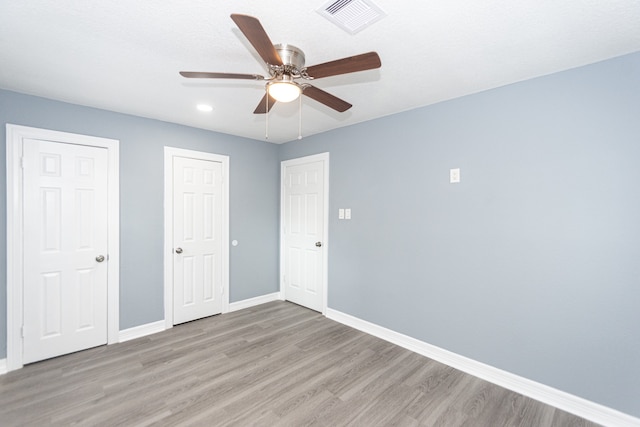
<point x="178" y="250"/>
<point x="100" y="258"/>
<point x="319" y="244"/>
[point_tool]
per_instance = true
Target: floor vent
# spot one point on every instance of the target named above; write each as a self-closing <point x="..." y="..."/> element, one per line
<point x="352" y="15"/>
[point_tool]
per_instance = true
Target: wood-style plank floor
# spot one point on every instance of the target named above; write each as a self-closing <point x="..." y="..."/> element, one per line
<point x="277" y="364"/>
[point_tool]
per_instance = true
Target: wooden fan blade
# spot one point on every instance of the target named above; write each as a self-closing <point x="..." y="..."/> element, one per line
<point x="262" y="106"/>
<point x="365" y="61"/>
<point x="257" y="36"/>
<point x="326" y="98"/>
<point x="206" y="75"/>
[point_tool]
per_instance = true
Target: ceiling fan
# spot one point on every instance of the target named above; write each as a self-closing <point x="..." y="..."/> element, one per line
<point x="286" y="64"/>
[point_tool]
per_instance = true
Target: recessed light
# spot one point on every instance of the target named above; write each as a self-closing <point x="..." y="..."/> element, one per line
<point x="204" y="107"/>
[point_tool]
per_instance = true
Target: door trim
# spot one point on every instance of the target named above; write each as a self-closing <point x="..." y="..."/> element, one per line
<point x="169" y="154"/>
<point x="15" y="135"/>
<point x="324" y="157"/>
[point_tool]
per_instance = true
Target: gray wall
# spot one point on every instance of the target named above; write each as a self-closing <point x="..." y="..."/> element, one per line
<point x="532" y="263"/>
<point x="254" y="200"/>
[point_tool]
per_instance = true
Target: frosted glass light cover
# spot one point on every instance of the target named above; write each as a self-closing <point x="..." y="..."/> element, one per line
<point x="284" y="92"/>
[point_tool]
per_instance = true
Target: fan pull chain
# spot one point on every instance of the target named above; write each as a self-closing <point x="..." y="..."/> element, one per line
<point x="266" y="130"/>
<point x="300" y="117"/>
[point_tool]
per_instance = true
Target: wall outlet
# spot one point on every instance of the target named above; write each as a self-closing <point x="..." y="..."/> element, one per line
<point x="454" y="175"/>
<point x="347" y="214"/>
<point x="340" y="213"/>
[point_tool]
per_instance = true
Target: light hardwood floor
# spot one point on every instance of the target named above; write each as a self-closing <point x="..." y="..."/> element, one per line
<point x="277" y="364"/>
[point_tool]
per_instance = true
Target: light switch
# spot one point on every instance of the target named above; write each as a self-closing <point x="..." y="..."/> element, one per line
<point x="340" y="213"/>
<point x="347" y="213"/>
<point x="454" y="175"/>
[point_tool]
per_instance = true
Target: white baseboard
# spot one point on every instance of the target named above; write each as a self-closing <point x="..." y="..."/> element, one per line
<point x="567" y="402"/>
<point x="251" y="302"/>
<point x="160" y="325"/>
<point x="141" y="331"/>
<point x="3" y="366"/>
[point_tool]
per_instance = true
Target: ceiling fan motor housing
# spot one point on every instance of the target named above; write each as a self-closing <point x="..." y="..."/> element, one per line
<point x="292" y="58"/>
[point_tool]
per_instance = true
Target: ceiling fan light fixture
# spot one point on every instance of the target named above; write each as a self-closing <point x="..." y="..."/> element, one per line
<point x="286" y="63"/>
<point x="284" y="90"/>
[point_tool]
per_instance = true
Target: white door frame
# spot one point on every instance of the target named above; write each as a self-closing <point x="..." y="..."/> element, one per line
<point x="324" y="157"/>
<point x="169" y="153"/>
<point x="15" y="136"/>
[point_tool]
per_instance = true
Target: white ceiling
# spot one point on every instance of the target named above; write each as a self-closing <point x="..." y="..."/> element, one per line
<point x="125" y="55"/>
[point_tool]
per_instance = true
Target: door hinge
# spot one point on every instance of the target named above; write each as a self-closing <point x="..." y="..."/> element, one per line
<point x="22" y="331"/>
<point x="22" y="162"/>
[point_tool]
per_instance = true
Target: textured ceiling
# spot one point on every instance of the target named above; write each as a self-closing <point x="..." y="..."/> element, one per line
<point x="125" y="56"/>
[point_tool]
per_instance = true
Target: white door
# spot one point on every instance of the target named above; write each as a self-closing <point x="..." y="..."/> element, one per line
<point x="197" y="239"/>
<point x="304" y="245"/>
<point x="65" y="248"/>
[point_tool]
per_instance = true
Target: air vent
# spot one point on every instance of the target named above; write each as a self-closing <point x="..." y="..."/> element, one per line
<point x="352" y="15"/>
